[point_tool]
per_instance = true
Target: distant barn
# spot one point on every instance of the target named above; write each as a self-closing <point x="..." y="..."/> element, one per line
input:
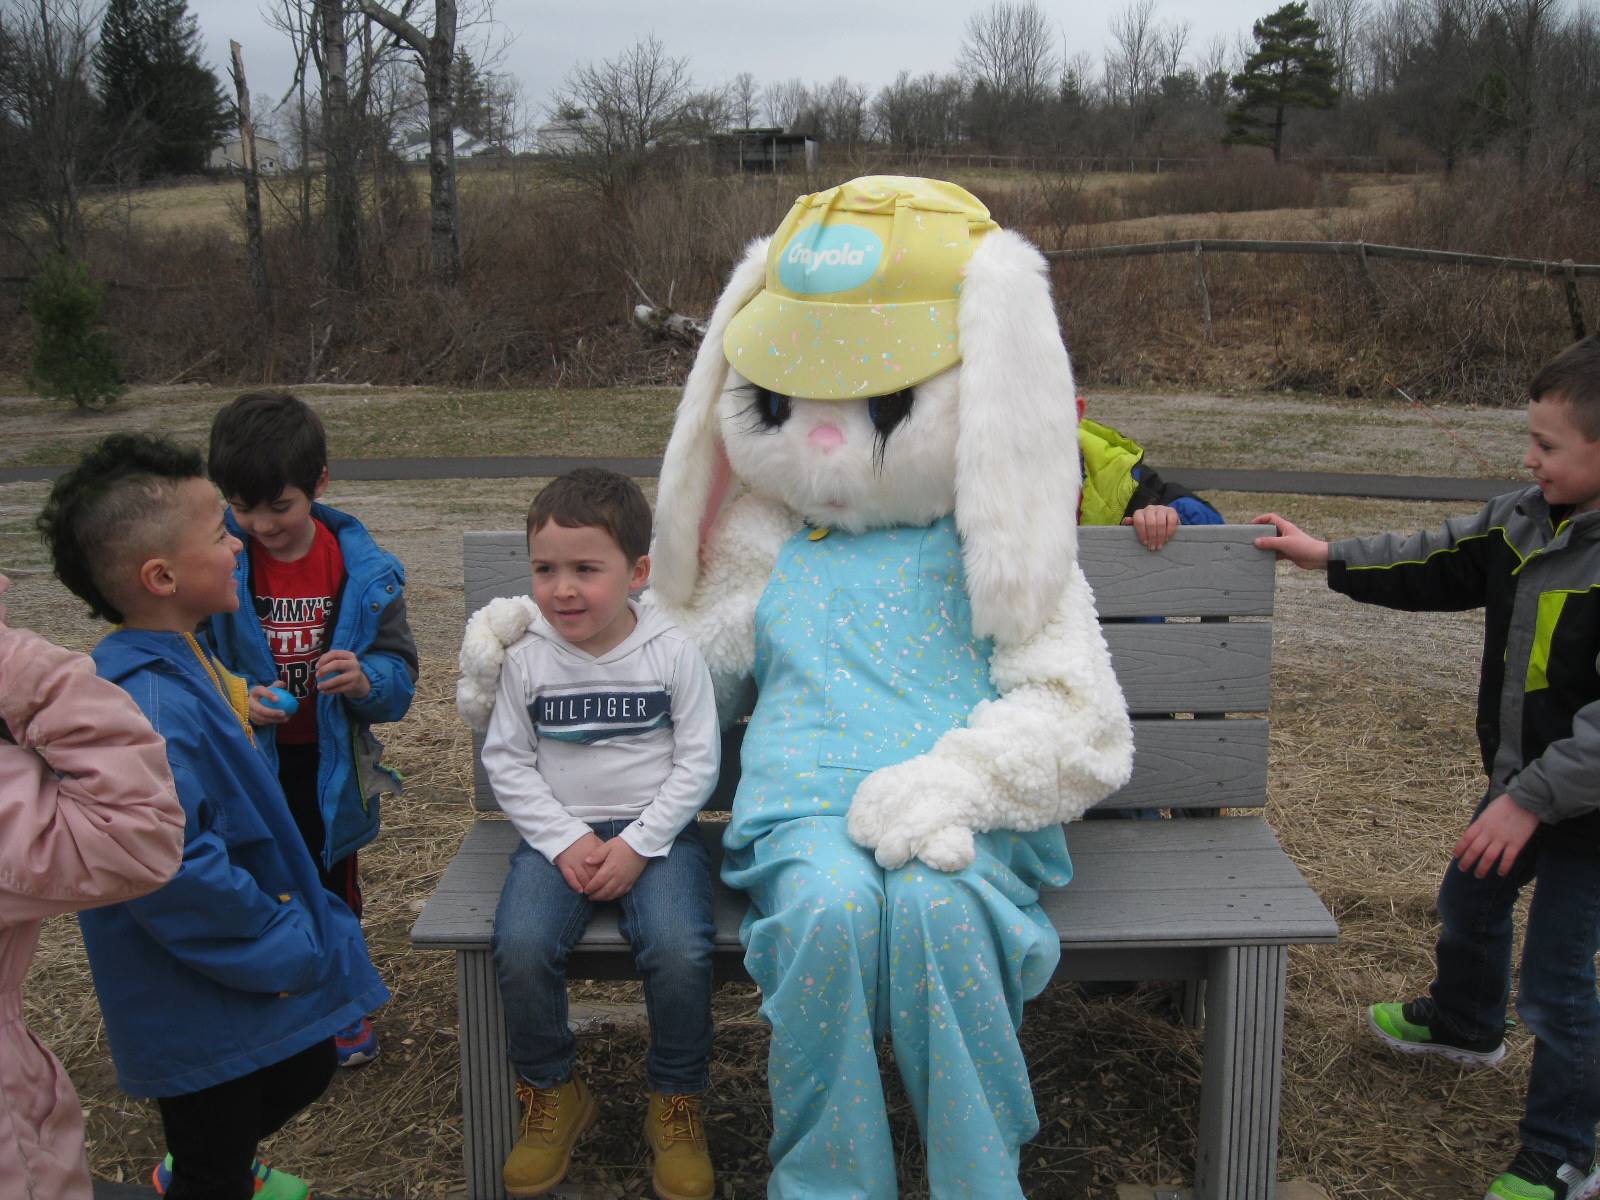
<point x="763" y="150"/>
<point x="229" y="156"/>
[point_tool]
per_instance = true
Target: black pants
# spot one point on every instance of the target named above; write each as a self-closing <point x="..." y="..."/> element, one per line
<point x="212" y="1134"/>
<point x="297" y="772"/>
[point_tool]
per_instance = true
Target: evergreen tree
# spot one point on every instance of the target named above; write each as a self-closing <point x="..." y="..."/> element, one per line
<point x="1288" y="70"/>
<point x="473" y="113"/>
<point x="161" y="101"/>
<point x="74" y="357"/>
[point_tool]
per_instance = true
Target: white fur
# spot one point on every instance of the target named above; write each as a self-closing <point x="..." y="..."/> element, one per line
<point x="994" y="440"/>
<point x="689" y="464"/>
<point x="1057" y="741"/>
<point x="1017" y="474"/>
<point x="841" y="487"/>
<point x="483" y="649"/>
<point x="720" y="619"/>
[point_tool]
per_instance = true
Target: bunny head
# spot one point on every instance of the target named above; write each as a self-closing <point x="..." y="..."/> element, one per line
<point x="888" y="357"/>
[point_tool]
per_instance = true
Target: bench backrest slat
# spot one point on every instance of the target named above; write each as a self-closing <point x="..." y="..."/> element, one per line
<point x="1186" y="668"/>
<point x="1206" y="571"/>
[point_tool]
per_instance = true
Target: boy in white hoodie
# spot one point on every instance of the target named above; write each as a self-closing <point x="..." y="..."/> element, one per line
<point x="602" y="747"/>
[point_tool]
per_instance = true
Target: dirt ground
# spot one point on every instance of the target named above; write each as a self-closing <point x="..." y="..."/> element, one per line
<point x="1372" y="778"/>
<point x="1306" y="432"/>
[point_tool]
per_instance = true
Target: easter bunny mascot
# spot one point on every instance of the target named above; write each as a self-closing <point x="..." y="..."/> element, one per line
<point x="867" y="521"/>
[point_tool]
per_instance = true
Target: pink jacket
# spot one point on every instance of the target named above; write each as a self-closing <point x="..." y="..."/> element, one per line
<point x="88" y="816"/>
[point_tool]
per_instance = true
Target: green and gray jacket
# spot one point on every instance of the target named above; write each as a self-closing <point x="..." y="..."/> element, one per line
<point x="1536" y="572"/>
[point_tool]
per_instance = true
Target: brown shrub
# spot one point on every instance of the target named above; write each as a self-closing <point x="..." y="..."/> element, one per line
<point x="1444" y="333"/>
<point x="1247" y="185"/>
<point x="552" y="273"/>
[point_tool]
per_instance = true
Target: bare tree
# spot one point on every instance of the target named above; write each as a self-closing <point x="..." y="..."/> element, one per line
<point x="339" y="142"/>
<point x="435" y="50"/>
<point x="1526" y="24"/>
<point x="628" y="105"/>
<point x="297" y="20"/>
<point x="919" y="114"/>
<point x="785" y="103"/>
<point x="255" y="252"/>
<point x="1171" y="41"/>
<point x="1216" y="67"/>
<point x="48" y="115"/>
<point x="1131" y="67"/>
<point x="842" y="108"/>
<point x="1008" y="61"/>
<point x="1342" y="22"/>
<point x="704" y="113"/>
<point x="744" y="99"/>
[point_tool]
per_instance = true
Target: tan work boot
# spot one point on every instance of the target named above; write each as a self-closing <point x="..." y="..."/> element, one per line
<point x="553" y="1119"/>
<point x="675" y="1127"/>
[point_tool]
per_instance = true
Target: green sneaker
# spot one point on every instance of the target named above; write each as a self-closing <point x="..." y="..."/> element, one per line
<point x="1536" y="1176"/>
<point x="1405" y="1027"/>
<point x="269" y="1184"/>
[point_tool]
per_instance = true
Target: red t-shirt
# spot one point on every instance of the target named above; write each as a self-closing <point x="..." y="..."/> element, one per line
<point x="295" y="603"/>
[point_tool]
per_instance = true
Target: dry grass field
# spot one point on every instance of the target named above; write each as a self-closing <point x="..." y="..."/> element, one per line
<point x="551" y="274"/>
<point x="218" y="203"/>
<point x="1372" y="777"/>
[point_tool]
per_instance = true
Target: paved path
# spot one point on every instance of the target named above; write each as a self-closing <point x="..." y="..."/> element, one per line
<point x="1311" y="483"/>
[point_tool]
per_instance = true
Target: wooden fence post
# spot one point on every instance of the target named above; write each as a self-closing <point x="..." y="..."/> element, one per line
<point x="1200" y="286"/>
<point x="1369" y="285"/>
<point x="1569" y="275"/>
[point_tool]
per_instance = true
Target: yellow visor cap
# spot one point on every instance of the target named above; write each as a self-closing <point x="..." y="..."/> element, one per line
<point x="861" y="291"/>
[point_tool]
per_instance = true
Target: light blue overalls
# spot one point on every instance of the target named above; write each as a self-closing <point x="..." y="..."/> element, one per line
<point x="864" y="656"/>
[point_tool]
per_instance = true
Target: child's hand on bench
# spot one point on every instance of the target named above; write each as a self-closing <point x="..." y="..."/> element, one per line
<point x="1154" y="525"/>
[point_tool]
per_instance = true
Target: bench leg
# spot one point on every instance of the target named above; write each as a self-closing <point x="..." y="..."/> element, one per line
<point x="488" y="1083"/>
<point x="1238" y="1152"/>
<point x="1192" y="1005"/>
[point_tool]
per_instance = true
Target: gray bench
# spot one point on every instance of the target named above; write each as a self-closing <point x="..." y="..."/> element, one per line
<point x="1213" y="903"/>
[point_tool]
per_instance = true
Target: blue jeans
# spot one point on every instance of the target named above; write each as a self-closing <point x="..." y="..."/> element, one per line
<point x="1556" y="999"/>
<point x="666" y="918"/>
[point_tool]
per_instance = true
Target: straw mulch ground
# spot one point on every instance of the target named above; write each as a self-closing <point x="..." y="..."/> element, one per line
<point x="1373" y="776"/>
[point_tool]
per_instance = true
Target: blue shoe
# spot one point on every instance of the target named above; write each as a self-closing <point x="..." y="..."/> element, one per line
<point x="357" y="1044"/>
<point x="269" y="1184"/>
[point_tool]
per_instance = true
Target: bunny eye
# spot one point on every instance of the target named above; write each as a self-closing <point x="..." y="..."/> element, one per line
<point x="771" y="408"/>
<point x="888" y="411"/>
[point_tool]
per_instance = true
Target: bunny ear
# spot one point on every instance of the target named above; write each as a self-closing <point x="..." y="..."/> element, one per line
<point x="694" y="471"/>
<point x="1017" y="473"/>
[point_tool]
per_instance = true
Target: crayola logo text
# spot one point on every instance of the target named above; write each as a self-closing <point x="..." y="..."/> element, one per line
<point x="835" y="258"/>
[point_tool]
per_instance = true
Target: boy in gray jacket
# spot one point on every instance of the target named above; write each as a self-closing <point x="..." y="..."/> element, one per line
<point x="601" y="748"/>
<point x="1531" y="559"/>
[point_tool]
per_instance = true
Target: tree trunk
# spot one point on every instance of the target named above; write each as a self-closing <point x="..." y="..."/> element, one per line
<point x="437" y="55"/>
<point x="343" y="192"/>
<point x="443" y="221"/>
<point x="255" y="252"/>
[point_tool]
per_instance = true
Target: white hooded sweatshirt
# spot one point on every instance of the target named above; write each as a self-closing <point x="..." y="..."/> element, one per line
<point x="628" y="735"/>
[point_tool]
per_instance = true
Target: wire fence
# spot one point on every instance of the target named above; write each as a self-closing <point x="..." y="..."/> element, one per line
<point x="1566" y="272"/>
<point x="1080" y="164"/>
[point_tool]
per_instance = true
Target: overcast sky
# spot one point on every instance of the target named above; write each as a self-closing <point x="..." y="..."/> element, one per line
<point x="814" y="41"/>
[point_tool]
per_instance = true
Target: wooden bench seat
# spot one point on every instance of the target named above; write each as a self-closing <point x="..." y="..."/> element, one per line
<point x="1215" y="903"/>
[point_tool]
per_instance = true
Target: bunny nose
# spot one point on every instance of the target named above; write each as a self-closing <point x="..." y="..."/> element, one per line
<point x="826" y="437"/>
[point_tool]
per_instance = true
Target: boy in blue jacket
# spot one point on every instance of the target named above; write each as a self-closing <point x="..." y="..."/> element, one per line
<point x="321" y="616"/>
<point x="223" y="989"/>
